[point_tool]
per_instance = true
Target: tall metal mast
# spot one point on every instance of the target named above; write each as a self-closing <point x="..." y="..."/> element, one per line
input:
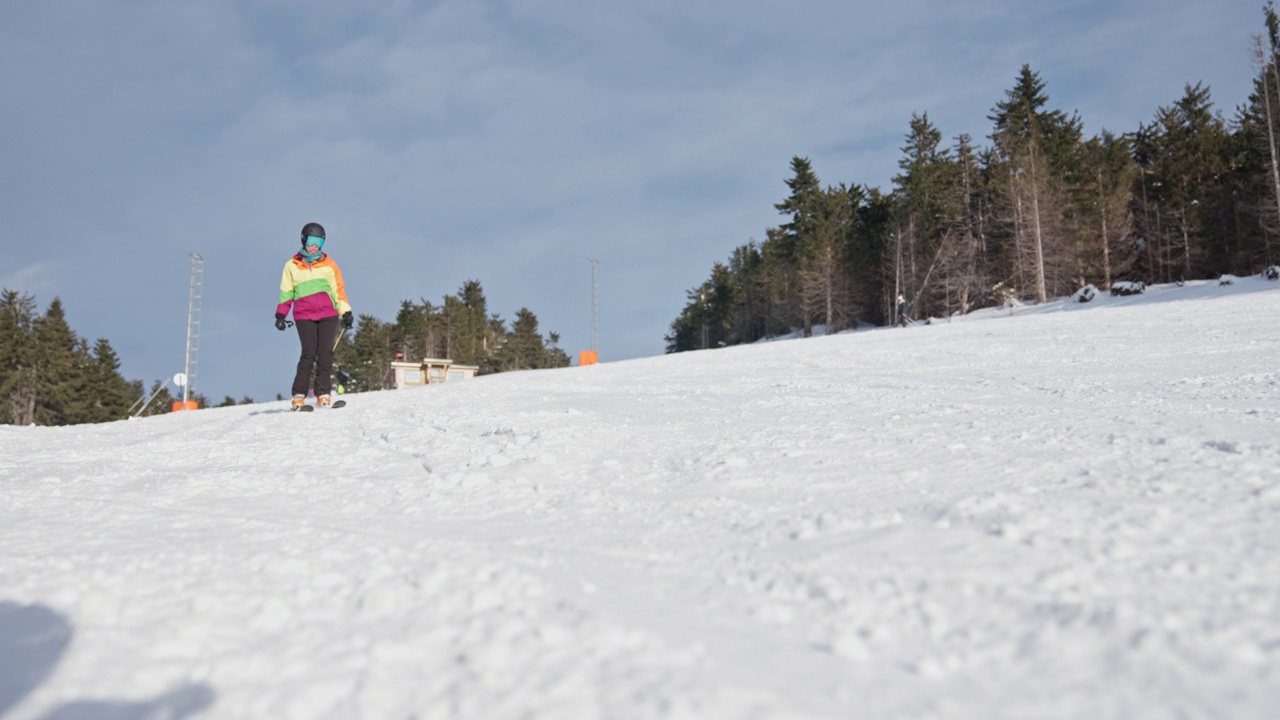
<point x="193" y="325"/>
<point x="595" y="305"/>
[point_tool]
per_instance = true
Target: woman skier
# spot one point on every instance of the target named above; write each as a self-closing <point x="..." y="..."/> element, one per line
<point x="312" y="287"/>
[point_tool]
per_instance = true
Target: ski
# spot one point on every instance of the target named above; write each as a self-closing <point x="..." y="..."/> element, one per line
<point x="311" y="408"/>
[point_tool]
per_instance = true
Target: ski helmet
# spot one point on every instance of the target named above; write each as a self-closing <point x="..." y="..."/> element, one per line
<point x="312" y="229"/>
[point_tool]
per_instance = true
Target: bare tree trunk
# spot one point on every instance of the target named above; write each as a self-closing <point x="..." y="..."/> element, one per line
<point x="942" y="245"/>
<point x="1146" y="227"/>
<point x="1160" y="252"/>
<point x="829" y="287"/>
<point x="27" y="414"/>
<point x="821" y="289"/>
<point x="897" y="278"/>
<point x="1103" y="208"/>
<point x="968" y="281"/>
<point x="1186" y="245"/>
<point x="1019" y="242"/>
<point x="1270" y="68"/>
<point x="1106" y="255"/>
<point x="1041" y="294"/>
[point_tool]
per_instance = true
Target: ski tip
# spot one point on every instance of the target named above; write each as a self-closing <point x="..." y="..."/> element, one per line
<point x="338" y="403"/>
<point x="305" y="408"/>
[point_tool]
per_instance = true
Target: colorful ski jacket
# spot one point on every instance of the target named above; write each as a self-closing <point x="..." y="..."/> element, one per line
<point x="313" y="290"/>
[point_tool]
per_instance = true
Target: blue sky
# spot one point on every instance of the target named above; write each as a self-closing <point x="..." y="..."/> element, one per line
<point x="506" y="142"/>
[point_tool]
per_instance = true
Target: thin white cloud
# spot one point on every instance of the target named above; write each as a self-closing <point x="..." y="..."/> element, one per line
<point x="36" y="279"/>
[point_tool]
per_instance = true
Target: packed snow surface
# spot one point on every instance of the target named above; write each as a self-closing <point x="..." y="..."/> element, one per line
<point x="1063" y="511"/>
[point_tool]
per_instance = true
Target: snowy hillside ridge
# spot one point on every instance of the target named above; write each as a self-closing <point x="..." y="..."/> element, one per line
<point x="1060" y="511"/>
<point x="1087" y="297"/>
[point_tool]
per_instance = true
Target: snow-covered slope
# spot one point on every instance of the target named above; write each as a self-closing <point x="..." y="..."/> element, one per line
<point x="1067" y="511"/>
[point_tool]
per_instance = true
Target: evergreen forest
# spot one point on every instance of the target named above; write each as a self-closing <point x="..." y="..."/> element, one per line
<point x="51" y="376"/>
<point x="459" y="328"/>
<point x="1038" y="211"/>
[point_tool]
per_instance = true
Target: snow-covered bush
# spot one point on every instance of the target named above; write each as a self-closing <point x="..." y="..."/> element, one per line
<point x="1227" y="280"/>
<point x="1085" y="294"/>
<point x="1128" y="287"/>
<point x="1272" y="273"/>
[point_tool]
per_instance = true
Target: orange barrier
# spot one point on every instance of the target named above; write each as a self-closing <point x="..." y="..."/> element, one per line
<point x="588" y="357"/>
<point x="178" y="405"/>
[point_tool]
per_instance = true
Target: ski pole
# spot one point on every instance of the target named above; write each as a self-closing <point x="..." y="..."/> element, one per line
<point x="340" y="334"/>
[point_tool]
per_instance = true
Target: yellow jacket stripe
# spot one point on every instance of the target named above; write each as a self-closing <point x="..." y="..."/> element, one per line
<point x="313" y="290"/>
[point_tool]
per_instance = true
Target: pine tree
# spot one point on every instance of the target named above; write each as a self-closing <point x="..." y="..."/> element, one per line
<point x="965" y="273"/>
<point x="712" y="316"/>
<point x="778" y="276"/>
<point x="722" y="300"/>
<point x="449" y="320"/>
<point x="871" y="240"/>
<point x="1036" y="148"/>
<point x="59" y="370"/>
<point x="1185" y="151"/>
<point x="410" y="334"/>
<point x="928" y="200"/>
<point x="475" y="334"/>
<point x="80" y="403"/>
<point x="556" y="357"/>
<point x="18" y="390"/>
<point x="525" y="347"/>
<point x="802" y="206"/>
<point x="921" y="185"/>
<point x="751" y="311"/>
<point x="439" y="329"/>
<point x="1268" y="81"/>
<point x="367" y="360"/>
<point x="1255" y="167"/>
<point x="825" y="289"/>
<point x="1104" y="219"/>
<point x="794" y="242"/>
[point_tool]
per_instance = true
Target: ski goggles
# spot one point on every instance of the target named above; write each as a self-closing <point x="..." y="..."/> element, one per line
<point x="313" y="240"/>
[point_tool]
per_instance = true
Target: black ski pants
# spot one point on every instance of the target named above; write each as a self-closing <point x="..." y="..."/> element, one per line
<point x="317" y="338"/>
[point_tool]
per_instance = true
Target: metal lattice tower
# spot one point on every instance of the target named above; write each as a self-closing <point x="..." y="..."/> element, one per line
<point x="595" y="304"/>
<point x="193" y="324"/>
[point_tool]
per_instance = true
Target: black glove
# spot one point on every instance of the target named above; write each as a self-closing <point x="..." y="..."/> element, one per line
<point x="347" y="320"/>
<point x="280" y="323"/>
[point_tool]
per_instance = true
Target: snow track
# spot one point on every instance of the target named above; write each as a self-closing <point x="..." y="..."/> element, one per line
<point x="1072" y="512"/>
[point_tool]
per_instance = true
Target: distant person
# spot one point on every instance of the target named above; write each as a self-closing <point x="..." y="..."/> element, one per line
<point x="902" y="311"/>
<point x="312" y="287"/>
